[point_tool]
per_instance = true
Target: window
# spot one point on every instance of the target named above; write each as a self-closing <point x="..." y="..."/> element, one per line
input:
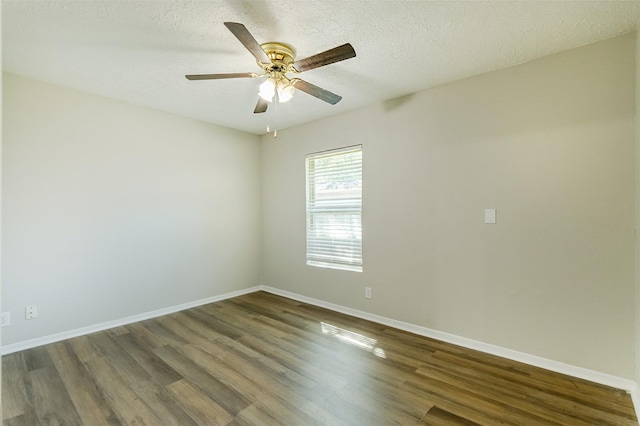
<point x="334" y="209"/>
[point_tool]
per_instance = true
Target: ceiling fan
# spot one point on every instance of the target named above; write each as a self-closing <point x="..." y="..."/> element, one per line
<point x="277" y="60"/>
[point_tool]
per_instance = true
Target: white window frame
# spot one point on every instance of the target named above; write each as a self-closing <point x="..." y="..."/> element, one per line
<point x="334" y="209"/>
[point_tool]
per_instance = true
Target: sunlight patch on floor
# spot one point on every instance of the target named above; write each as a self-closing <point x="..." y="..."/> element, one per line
<point x="358" y="340"/>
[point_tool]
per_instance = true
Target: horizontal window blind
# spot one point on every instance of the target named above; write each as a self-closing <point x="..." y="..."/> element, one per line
<point x="334" y="209"/>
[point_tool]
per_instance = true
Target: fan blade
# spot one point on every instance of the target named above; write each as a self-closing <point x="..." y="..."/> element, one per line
<point x="330" y="56"/>
<point x="219" y="76"/>
<point x="242" y="33"/>
<point x="316" y="91"/>
<point x="261" y="106"/>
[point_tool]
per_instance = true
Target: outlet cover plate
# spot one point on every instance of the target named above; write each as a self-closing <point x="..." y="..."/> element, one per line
<point x="31" y="312"/>
<point x="5" y="319"/>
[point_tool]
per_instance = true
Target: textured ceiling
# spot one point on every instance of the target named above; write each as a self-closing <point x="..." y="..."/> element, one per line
<point x="139" y="51"/>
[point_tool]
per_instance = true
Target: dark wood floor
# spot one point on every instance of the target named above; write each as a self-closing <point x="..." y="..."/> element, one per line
<point x="261" y="359"/>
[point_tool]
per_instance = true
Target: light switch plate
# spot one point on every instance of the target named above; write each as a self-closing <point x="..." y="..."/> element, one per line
<point x="490" y="216"/>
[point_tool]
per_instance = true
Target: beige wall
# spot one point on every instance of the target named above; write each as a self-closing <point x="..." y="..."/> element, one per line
<point x="549" y="144"/>
<point x="112" y="210"/>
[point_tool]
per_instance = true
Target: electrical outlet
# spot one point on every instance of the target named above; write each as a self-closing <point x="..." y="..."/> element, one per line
<point x="5" y="319"/>
<point x="367" y="292"/>
<point x="31" y="312"/>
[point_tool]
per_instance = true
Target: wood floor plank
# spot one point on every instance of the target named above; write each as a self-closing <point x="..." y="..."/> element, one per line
<point x="202" y="409"/>
<point x="350" y="412"/>
<point x="89" y="403"/>
<point x="22" y="420"/>
<point x="545" y="399"/>
<point x="387" y="412"/>
<point x="436" y="416"/>
<point x="504" y="396"/>
<point x="144" y="373"/>
<point x="118" y="357"/>
<point x="37" y="358"/>
<point x="14" y="395"/>
<point x="305" y="368"/>
<point x="147" y="360"/>
<point x="138" y="377"/>
<point x="267" y="393"/>
<point x="145" y="337"/>
<point x="129" y="409"/>
<point x="266" y="363"/>
<point x="499" y="375"/>
<point x="216" y="322"/>
<point x="398" y="401"/>
<point x="162" y="403"/>
<point x="465" y="408"/>
<point x="255" y="415"/>
<point x="261" y="359"/>
<point x="229" y="399"/>
<point x="326" y="353"/>
<point x="167" y="336"/>
<point x="51" y="401"/>
<point x="251" y="363"/>
<point x="83" y="349"/>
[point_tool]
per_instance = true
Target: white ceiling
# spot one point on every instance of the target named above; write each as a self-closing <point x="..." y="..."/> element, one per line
<point x="139" y="51"/>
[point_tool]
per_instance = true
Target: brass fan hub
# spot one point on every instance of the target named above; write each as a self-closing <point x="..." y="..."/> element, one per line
<point x="282" y="56"/>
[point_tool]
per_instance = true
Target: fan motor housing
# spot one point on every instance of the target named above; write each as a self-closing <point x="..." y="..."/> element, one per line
<point x="282" y="56"/>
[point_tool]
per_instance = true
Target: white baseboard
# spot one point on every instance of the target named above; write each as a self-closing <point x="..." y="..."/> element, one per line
<point x="635" y="397"/>
<point x="559" y="367"/>
<point x="27" y="344"/>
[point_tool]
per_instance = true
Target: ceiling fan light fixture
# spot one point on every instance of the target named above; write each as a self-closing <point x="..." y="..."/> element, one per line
<point x="268" y="89"/>
<point x="285" y="90"/>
